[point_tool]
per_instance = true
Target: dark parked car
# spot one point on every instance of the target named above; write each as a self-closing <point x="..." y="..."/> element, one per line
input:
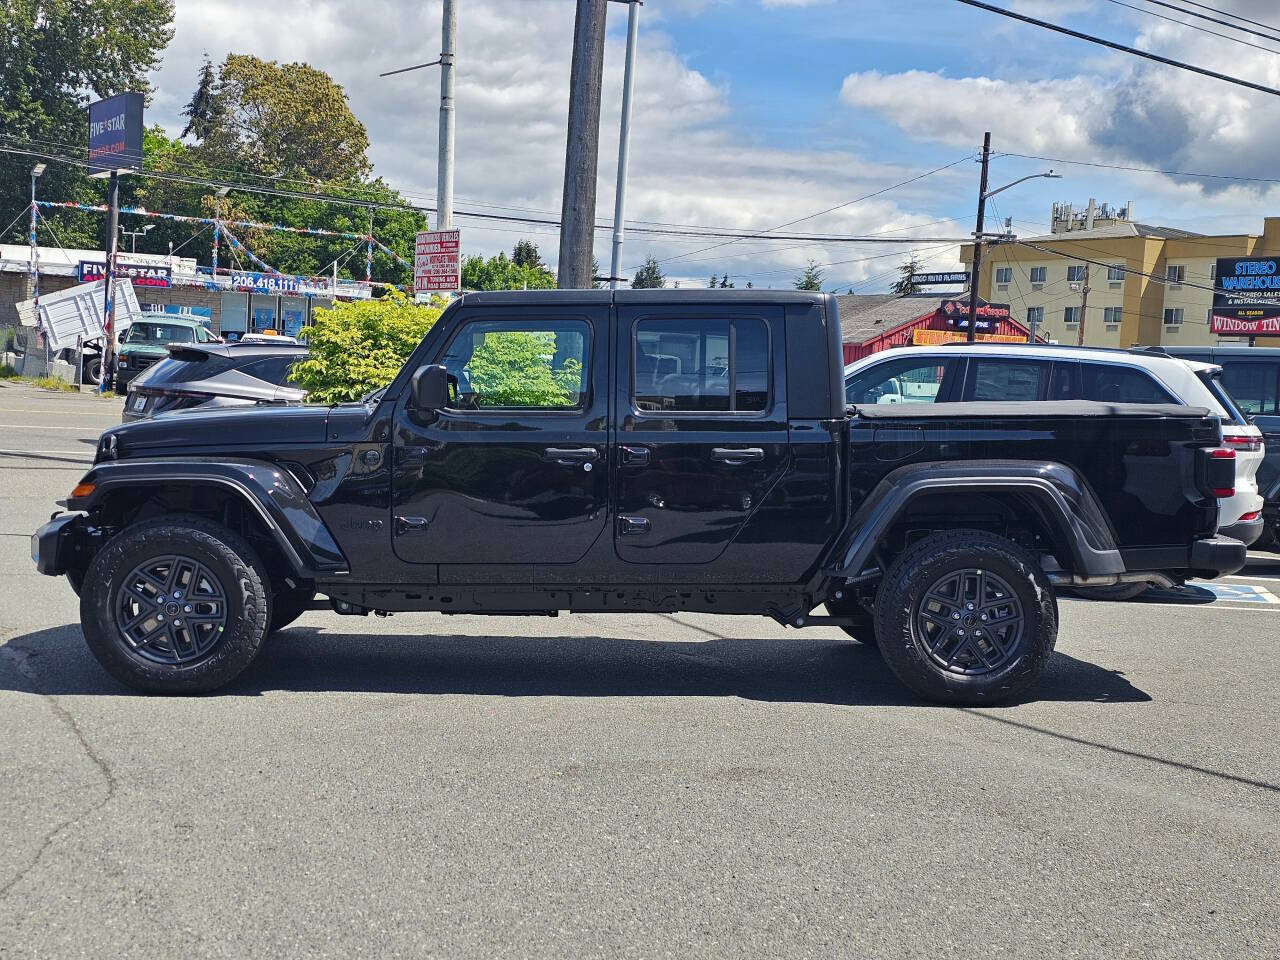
<point x="1252" y="377"/>
<point x="637" y="451"/>
<point x="208" y="376"/>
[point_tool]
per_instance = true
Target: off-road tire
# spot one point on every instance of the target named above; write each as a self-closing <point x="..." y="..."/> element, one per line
<point x="225" y="555"/>
<point x="287" y="606"/>
<point x="927" y="563"/>
<point x="863" y="628"/>
<point x="1114" y="593"/>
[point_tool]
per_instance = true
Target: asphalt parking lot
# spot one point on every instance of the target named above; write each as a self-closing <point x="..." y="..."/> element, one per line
<point x="621" y="786"/>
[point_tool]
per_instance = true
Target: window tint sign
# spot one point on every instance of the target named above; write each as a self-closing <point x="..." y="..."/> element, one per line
<point x="141" y="274"/>
<point x="115" y="135"/>
<point x="1246" y="296"/>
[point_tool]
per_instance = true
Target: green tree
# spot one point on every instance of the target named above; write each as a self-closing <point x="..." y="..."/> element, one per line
<point x="515" y="369"/>
<point x="55" y="57"/>
<point x="205" y="111"/>
<point x="810" y="279"/>
<point x="526" y="254"/>
<point x="283" y="119"/>
<point x="649" y="276"/>
<point x="904" y="284"/>
<point x="500" y="273"/>
<point x="725" y="284"/>
<point x="360" y="346"/>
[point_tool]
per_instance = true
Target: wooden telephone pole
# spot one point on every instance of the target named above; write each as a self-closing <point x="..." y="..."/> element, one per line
<point x="1084" y="306"/>
<point x="977" y="238"/>
<point x="582" y="152"/>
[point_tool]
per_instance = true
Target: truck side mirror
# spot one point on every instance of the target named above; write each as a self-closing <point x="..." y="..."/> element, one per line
<point x="430" y="386"/>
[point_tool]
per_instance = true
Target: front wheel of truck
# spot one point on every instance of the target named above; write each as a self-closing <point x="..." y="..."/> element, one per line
<point x="966" y="617"/>
<point x="175" y="605"/>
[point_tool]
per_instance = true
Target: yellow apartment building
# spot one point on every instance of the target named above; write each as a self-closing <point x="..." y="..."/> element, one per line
<point x="1147" y="284"/>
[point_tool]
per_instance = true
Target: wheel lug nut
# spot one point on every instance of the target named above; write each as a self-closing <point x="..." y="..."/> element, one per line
<point x="177" y="623"/>
<point x="959" y="633"/>
<point x="955" y="616"/>
<point x="968" y="606"/>
<point x="984" y="616"/>
<point x="160" y="617"/>
<point x="187" y="608"/>
<point x="177" y="594"/>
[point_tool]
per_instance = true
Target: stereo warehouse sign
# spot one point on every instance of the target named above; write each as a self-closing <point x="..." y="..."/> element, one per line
<point x="1246" y="297"/>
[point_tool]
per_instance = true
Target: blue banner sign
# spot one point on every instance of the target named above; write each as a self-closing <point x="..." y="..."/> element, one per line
<point x="115" y="135"/>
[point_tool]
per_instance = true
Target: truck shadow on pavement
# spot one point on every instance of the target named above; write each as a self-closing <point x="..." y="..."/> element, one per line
<point x="787" y="669"/>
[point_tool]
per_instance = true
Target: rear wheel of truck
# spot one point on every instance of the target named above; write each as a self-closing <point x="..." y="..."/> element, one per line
<point x="93" y="370"/>
<point x="966" y="617"/>
<point x="175" y="605"/>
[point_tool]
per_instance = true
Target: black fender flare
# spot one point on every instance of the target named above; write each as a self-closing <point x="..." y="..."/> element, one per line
<point x="1056" y="491"/>
<point x="269" y="490"/>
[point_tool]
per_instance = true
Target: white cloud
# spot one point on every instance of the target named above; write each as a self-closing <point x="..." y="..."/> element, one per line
<point x="689" y="164"/>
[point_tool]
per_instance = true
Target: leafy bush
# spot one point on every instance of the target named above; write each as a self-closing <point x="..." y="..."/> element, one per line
<point x="512" y="369"/>
<point x="500" y="273"/>
<point x="360" y="346"/>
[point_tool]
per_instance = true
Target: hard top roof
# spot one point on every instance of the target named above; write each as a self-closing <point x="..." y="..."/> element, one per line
<point x="661" y="295"/>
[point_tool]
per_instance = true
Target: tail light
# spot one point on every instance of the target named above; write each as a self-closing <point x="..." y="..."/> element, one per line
<point x="1218" y="471"/>
<point x="1243" y="442"/>
<point x="1251" y="515"/>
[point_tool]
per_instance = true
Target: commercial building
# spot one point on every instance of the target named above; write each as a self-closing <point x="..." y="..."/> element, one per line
<point x="1146" y="284"/>
<point x="236" y="302"/>
<point x="870" y="323"/>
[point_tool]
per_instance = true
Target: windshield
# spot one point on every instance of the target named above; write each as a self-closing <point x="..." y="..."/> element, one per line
<point x="160" y="334"/>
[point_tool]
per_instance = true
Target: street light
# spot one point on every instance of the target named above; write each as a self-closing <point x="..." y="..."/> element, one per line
<point x="983" y="196"/>
<point x="133" y="235"/>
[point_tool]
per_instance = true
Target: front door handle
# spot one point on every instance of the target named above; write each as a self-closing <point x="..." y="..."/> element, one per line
<point x="734" y="457"/>
<point x="568" y="456"/>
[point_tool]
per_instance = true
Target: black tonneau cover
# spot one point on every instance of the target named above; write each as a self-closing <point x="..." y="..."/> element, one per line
<point x="1034" y="408"/>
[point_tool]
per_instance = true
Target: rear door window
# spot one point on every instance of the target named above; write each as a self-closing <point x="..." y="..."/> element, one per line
<point x="1252" y="385"/>
<point x="904" y="380"/>
<point x="711" y="365"/>
<point x="1007" y="380"/>
<point x="1114" y="384"/>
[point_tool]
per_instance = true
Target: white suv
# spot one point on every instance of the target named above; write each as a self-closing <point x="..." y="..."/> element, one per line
<point x="1009" y="372"/>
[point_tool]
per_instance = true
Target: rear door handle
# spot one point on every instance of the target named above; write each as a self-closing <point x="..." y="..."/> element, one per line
<point x="567" y="456"/>
<point x="410" y="524"/>
<point x="733" y="458"/>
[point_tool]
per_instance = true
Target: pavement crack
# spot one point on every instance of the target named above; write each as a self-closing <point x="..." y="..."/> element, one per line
<point x="21" y="659"/>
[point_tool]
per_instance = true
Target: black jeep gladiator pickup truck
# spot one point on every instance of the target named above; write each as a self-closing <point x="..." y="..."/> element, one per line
<point x="638" y="451"/>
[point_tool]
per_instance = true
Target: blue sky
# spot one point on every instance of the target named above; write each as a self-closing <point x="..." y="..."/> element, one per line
<point x="750" y="113"/>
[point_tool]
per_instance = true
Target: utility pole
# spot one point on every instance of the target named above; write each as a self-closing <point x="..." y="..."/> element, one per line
<point x="1084" y="306"/>
<point x="582" y="149"/>
<point x="109" y="286"/>
<point x="624" y="142"/>
<point x="977" y="237"/>
<point x="444" y="164"/>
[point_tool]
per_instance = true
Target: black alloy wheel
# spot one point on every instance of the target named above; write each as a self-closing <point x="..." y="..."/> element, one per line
<point x="966" y="617"/>
<point x="171" y="610"/>
<point x="175" y="604"/>
<point x="970" y="622"/>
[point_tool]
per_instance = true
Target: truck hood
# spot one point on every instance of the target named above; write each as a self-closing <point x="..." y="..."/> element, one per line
<point x="234" y="431"/>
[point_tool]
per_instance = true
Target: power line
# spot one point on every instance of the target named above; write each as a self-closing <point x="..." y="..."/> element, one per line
<point x="1133" y="169"/>
<point x="1134" y="51"/>
<point x="1228" y="13"/>
<point x="838" y="206"/>
<point x="1225" y="23"/>
<point x="727" y="236"/>
<point x="1192" y="26"/>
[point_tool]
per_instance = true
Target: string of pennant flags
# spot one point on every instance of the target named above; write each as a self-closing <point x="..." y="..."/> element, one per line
<point x="222" y="229"/>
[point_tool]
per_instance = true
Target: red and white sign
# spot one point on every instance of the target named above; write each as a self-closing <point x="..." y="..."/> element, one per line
<point x="1244" y="326"/>
<point x="437" y="262"/>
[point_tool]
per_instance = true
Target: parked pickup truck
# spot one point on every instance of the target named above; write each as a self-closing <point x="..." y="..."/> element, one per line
<point x="637" y="451"/>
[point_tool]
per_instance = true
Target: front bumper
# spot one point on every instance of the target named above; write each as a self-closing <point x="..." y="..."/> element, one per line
<point x="1217" y="556"/>
<point x="56" y="546"/>
<point x="1246" y="531"/>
